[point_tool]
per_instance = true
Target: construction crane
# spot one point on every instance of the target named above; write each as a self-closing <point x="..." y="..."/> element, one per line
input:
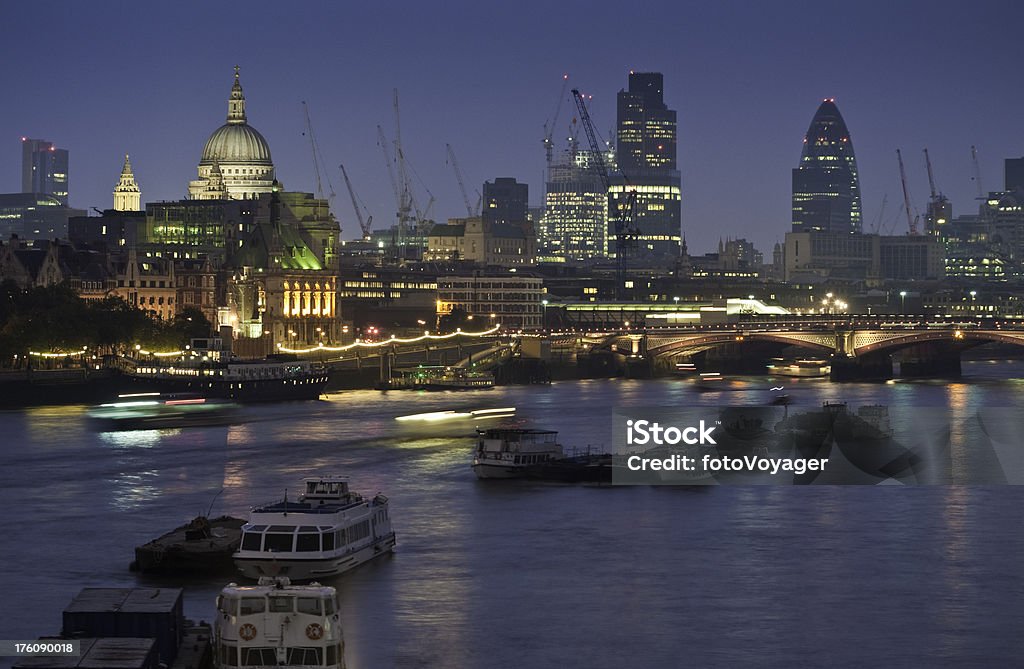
<point x="383" y="143"/>
<point x="911" y="220"/>
<point x="462" y="185"/>
<point x="364" y="223"/>
<point x="977" y="173"/>
<point x="317" y="160"/>
<point x="625" y="233"/>
<point x="938" y="204"/>
<point x="549" y="125"/>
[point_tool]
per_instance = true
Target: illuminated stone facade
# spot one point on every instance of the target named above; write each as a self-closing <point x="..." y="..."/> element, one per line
<point x="236" y="161"/>
<point x="127" y="196"/>
<point x="514" y="302"/>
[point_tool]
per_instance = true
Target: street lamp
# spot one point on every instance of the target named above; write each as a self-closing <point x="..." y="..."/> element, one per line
<point x="974" y="294"/>
<point x="676" y="301"/>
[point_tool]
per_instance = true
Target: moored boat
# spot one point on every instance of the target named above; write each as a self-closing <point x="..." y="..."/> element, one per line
<point x="199" y="545"/>
<point x="328" y="531"/>
<point x="271" y="380"/>
<point x="505" y="453"/>
<point x="458" y="378"/>
<point x="278" y="624"/>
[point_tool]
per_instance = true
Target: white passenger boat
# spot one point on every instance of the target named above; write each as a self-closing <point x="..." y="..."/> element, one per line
<point x="277" y="624"/>
<point x="504" y="453"/>
<point x="329" y="530"/>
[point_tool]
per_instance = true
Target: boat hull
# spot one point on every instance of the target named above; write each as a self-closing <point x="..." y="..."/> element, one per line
<point x="485" y="470"/>
<point x="311" y="569"/>
<point x="257" y="390"/>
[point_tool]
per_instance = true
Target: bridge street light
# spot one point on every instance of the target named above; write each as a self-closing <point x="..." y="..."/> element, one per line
<point x="903" y="302"/>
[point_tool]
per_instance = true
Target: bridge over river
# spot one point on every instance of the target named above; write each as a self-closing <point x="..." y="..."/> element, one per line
<point x="856" y="347"/>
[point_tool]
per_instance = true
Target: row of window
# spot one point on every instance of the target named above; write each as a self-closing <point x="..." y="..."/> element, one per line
<point x="266" y="656"/>
<point x="305" y="542"/>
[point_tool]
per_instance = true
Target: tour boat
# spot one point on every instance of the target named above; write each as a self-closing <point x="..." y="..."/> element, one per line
<point x="458" y="378"/>
<point x="277" y="624"/>
<point x="505" y="453"/>
<point x="327" y="531"/>
<point x="812" y="369"/>
<point x="271" y="380"/>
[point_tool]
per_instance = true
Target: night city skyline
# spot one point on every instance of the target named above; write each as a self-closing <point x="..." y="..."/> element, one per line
<point x="907" y="77"/>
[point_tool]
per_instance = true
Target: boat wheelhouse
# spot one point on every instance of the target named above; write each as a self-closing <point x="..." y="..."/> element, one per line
<point x="327" y="531"/>
<point x="277" y="624"/>
<point x="510" y="453"/>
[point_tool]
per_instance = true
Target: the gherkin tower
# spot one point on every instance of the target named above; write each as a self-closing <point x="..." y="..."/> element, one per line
<point x="826" y="189"/>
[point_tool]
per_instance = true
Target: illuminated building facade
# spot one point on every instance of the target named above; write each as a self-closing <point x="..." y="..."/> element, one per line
<point x="147" y="283"/>
<point x="514" y="302"/>
<point x="646" y="145"/>
<point x="236" y="161"/>
<point x="826" y="188"/>
<point x="34" y="216"/>
<point x="127" y="196"/>
<point x="44" y="169"/>
<point x="575" y="222"/>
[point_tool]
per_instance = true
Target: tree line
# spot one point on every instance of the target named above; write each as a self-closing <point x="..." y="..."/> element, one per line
<point x="55" y="319"/>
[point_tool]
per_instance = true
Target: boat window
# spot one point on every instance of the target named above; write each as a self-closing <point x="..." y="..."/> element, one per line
<point x="328" y="607"/>
<point x="308" y="605"/>
<point x="329" y="541"/>
<point x="257" y="528"/>
<point x="308" y="542"/>
<point x="310" y="487"/>
<point x="307" y="528"/>
<point x="341" y="539"/>
<point x="251" y="605"/>
<point x="228" y="605"/>
<point x="332" y="655"/>
<point x="281" y="604"/>
<point x="282" y="528"/>
<point x="281" y="543"/>
<point x="306" y="656"/>
<point x="258" y="657"/>
<point x="251" y="541"/>
<point x="229" y="655"/>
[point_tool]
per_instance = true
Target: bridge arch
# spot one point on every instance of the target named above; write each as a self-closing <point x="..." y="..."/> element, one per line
<point x="890" y="342"/>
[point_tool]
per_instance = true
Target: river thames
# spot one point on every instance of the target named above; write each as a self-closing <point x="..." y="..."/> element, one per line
<point x="515" y="574"/>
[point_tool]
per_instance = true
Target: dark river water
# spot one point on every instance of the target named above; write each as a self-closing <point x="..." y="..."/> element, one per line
<point x="513" y="574"/>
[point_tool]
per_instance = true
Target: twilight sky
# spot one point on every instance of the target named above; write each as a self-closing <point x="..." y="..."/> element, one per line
<point x="152" y="79"/>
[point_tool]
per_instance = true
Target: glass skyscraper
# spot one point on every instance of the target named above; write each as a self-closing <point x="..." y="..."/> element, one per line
<point x="44" y="169"/>
<point x="646" y="151"/>
<point x="826" y="189"/>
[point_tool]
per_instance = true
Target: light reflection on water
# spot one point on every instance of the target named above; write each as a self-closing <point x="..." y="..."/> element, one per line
<point x="540" y="575"/>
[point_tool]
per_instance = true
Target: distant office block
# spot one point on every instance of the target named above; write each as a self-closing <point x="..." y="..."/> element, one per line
<point x="44" y="169"/>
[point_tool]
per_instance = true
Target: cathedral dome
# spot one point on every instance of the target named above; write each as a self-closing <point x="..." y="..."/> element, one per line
<point x="236" y="143"/>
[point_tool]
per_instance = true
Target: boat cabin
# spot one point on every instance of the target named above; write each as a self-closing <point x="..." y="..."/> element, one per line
<point x="276" y="623"/>
<point x="325" y="489"/>
<point x="518" y="446"/>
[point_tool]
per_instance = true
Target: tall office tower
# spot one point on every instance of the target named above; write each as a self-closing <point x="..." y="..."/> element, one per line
<point x="505" y="201"/>
<point x="826" y="189"/>
<point x="575" y="219"/>
<point x="44" y="169"/>
<point x="646" y="140"/>
<point x="1014" y="174"/>
<point x="127" y="196"/>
